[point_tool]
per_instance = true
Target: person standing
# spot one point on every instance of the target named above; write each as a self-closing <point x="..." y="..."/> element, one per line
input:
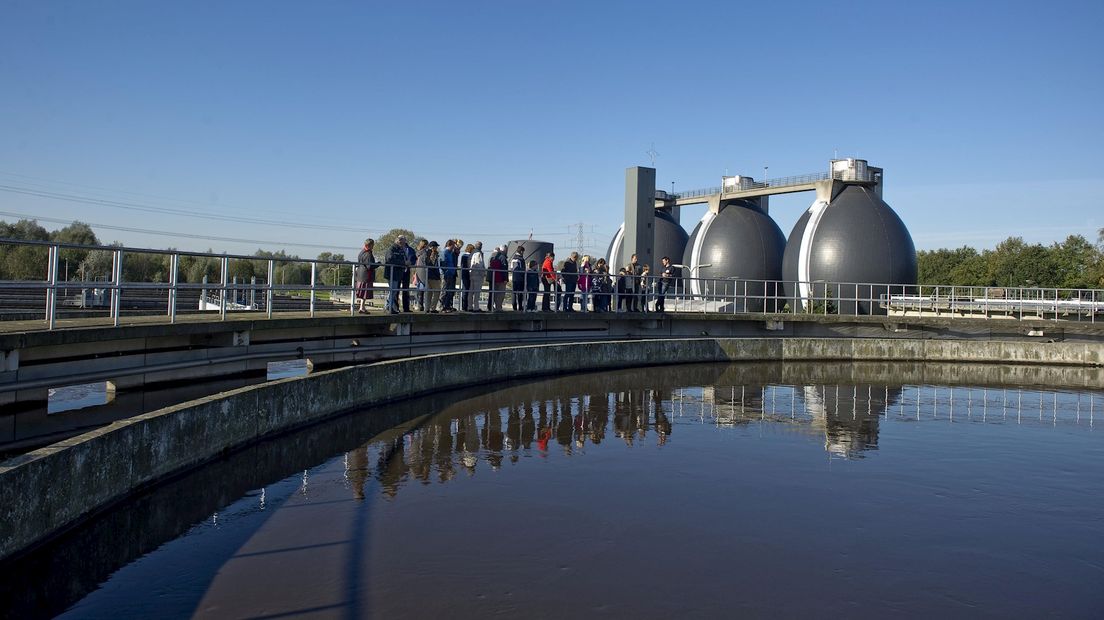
<point x="517" y="278"/>
<point x="570" y="275"/>
<point x="634" y="270"/>
<point x="645" y="288"/>
<point x="421" y="274"/>
<point x="532" y="285"/>
<point x="498" y="275"/>
<point x="478" y="276"/>
<point x="465" y="276"/>
<point x="448" y="276"/>
<point x="397" y="264"/>
<point x="585" y="285"/>
<point x="433" y="277"/>
<point x="548" y="281"/>
<point x="365" y="275"/>
<point x="600" y="287"/>
<point x="666" y="277"/>
<point x="622" y="290"/>
<point x="408" y="272"/>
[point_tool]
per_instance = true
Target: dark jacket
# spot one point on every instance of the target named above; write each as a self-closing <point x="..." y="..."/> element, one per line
<point x="396" y="261"/>
<point x="570" y="273"/>
<point x="366" y="267"/>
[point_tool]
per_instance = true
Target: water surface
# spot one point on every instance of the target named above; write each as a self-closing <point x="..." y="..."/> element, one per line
<point x="699" y="491"/>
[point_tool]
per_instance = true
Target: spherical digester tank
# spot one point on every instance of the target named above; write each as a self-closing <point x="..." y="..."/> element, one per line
<point x="735" y="257"/>
<point x="839" y="251"/>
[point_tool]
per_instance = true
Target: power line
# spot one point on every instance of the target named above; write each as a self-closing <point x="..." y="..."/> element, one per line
<point x="166" y="233"/>
<point x="182" y="235"/>
<point x="133" y="206"/>
<point x="103" y="202"/>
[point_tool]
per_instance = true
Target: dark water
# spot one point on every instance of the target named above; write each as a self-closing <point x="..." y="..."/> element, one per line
<point x="700" y="491"/>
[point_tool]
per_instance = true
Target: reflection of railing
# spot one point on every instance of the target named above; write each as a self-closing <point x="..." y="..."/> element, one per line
<point x="612" y="292"/>
<point x="866" y="176"/>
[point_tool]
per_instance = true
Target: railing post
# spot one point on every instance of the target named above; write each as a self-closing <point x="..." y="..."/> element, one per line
<point x="268" y="288"/>
<point x="224" y="279"/>
<point x="253" y="292"/>
<point x="174" y="279"/>
<point x="116" y="285"/>
<point x="352" y="290"/>
<point x="51" y="286"/>
<point x="314" y="275"/>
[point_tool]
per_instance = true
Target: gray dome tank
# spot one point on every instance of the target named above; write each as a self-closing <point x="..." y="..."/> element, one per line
<point x="855" y="239"/>
<point x="670" y="240"/>
<point x="741" y="248"/>
<point x="534" y="250"/>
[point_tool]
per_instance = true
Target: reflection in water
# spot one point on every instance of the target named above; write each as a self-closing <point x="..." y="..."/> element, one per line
<point x="846" y="418"/>
<point x="357" y="514"/>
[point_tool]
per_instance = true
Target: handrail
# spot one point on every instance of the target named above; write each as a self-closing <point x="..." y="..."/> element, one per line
<point x="790" y="181"/>
<point x="681" y="294"/>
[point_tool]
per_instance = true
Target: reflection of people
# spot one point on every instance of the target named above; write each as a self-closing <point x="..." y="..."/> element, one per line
<point x="663" y="426"/>
<point x="358" y="470"/>
<point x="493" y="437"/>
<point x="392" y="467"/>
<point x="528" y="428"/>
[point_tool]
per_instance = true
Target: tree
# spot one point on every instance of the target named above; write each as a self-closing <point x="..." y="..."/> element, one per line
<point x="96" y="266"/>
<point x="1075" y="261"/>
<point x="334" y="275"/>
<point x="939" y="266"/>
<point x="70" y="259"/>
<point x="23" y="262"/>
<point x="388" y="238"/>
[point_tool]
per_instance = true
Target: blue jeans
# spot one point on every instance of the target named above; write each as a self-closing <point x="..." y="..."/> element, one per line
<point x="395" y="285"/>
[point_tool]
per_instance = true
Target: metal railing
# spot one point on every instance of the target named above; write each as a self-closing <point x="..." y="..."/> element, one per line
<point x="329" y="285"/>
<point x="791" y="181"/>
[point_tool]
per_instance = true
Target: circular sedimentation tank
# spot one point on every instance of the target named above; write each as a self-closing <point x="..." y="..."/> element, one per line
<point x="735" y="252"/>
<point x="855" y="241"/>
<point x="670" y="241"/>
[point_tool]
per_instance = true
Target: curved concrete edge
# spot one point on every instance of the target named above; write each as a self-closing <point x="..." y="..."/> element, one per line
<point x="46" y="491"/>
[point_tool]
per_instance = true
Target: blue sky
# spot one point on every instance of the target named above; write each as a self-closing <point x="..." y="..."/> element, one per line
<point x="487" y="120"/>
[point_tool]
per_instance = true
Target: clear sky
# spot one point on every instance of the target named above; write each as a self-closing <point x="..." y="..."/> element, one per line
<point x="326" y="122"/>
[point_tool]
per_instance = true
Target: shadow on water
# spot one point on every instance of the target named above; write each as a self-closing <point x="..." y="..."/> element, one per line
<point x="440" y="436"/>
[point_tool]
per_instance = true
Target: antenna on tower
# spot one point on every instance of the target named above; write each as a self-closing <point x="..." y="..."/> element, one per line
<point x="652" y="154"/>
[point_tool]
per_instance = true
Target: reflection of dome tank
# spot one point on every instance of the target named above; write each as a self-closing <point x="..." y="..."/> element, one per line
<point x="740" y="242"/>
<point x="856" y="238"/>
<point x="670" y="240"/>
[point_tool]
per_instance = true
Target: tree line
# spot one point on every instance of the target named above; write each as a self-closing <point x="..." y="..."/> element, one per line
<point x="1073" y="263"/>
<point x="23" y="262"/>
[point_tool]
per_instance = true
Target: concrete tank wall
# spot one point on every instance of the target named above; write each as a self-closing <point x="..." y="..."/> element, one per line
<point x="46" y="491"/>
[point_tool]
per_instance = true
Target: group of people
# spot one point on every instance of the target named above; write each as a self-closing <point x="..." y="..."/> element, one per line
<point x="430" y="278"/>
